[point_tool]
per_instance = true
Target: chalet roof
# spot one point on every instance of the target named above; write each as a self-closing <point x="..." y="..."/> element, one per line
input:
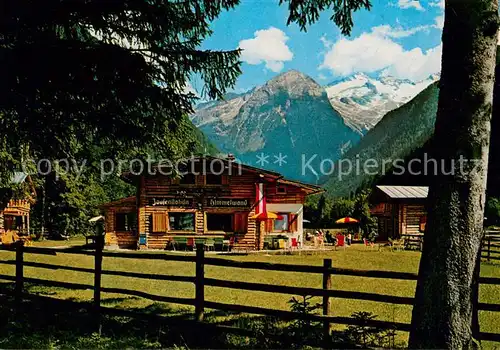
<point x="405" y="191"/>
<point x="122" y="201"/>
<point x="309" y="188"/>
<point x="272" y="175"/>
<point x="128" y="175"/>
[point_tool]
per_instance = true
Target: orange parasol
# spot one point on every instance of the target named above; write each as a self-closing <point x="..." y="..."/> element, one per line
<point x="266" y="215"/>
<point x="347" y="220"/>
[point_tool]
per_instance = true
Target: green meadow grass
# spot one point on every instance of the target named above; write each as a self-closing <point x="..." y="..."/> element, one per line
<point x="355" y="257"/>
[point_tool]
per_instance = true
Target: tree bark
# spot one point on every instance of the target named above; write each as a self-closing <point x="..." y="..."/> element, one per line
<point x="444" y="309"/>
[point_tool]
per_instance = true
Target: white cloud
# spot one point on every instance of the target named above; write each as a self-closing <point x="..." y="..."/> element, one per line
<point x="407" y="4"/>
<point x="439" y="22"/>
<point x="376" y="51"/>
<point x="416" y="64"/>
<point x="327" y="43"/>
<point x="269" y="47"/>
<point x="437" y="3"/>
<point x="388" y="31"/>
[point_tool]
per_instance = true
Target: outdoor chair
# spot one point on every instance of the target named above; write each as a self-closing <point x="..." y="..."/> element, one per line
<point x="199" y="241"/>
<point x="190" y="243"/>
<point x="210" y="244"/>
<point x="281" y="243"/>
<point x="294" y="244"/>
<point x="268" y="243"/>
<point x="340" y="241"/>
<point x="178" y="242"/>
<point x="218" y="243"/>
<point x="397" y="244"/>
<point x="226" y="244"/>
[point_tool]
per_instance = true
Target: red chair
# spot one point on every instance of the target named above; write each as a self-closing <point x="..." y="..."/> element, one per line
<point x="340" y="241"/>
<point x="295" y="243"/>
<point x="368" y="244"/>
<point x="190" y="243"/>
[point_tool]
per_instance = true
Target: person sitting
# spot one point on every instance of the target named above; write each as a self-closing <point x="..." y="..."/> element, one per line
<point x="308" y="236"/>
<point x="328" y="237"/>
<point x="321" y="239"/>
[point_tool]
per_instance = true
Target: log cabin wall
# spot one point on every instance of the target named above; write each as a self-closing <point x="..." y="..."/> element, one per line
<point x="282" y="193"/>
<point x="413" y="214"/>
<point x="14" y="218"/>
<point x="384" y="212"/>
<point x="400" y="210"/>
<point x="196" y="198"/>
<point x="161" y="201"/>
<point x="395" y="219"/>
<point x="120" y="237"/>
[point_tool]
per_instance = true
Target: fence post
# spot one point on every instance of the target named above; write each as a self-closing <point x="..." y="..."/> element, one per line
<point x="327" y="285"/>
<point x="199" y="282"/>
<point x="19" y="274"/>
<point x="99" y="245"/>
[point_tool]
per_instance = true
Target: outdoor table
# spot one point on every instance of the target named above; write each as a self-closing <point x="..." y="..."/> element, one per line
<point x="275" y="241"/>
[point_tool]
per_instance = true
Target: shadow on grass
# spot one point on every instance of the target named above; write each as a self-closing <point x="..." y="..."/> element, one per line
<point x="46" y="322"/>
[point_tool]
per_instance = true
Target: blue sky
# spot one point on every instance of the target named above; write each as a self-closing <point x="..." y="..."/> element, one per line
<point x="401" y="37"/>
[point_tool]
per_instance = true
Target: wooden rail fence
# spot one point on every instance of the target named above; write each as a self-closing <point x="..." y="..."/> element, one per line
<point x="491" y="246"/>
<point x="200" y="281"/>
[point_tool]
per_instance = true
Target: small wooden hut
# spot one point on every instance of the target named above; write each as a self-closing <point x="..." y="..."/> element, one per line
<point x="399" y="210"/>
<point x="15" y="216"/>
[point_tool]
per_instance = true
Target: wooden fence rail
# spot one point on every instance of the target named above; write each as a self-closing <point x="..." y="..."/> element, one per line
<point x="491" y="247"/>
<point x="200" y="282"/>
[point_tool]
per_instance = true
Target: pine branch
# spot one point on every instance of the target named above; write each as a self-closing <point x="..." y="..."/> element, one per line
<point x="307" y="12"/>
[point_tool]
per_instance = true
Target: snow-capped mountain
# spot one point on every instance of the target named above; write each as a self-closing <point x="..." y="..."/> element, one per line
<point x="362" y="101"/>
<point x="290" y="115"/>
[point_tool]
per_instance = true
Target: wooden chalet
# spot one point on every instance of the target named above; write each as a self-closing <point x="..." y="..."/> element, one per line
<point x="399" y="210"/>
<point x="15" y="216"/>
<point x="215" y="198"/>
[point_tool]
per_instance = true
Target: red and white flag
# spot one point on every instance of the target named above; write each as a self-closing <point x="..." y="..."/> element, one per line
<point x="260" y="199"/>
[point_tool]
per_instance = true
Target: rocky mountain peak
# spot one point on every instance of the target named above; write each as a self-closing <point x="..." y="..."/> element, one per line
<point x="295" y="83"/>
<point x="289" y="115"/>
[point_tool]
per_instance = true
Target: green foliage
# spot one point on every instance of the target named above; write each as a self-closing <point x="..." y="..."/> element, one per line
<point x="96" y="341"/>
<point x="67" y="200"/>
<point x="492" y="211"/>
<point x="369" y="336"/>
<point x="305" y="12"/>
<point x="109" y="82"/>
<point x="361" y="211"/>
<point x="111" y="75"/>
<point x="324" y="211"/>
<point x="342" y="207"/>
<point x="304" y="331"/>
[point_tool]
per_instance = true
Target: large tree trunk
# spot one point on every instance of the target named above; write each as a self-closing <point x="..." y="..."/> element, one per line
<point x="444" y="302"/>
